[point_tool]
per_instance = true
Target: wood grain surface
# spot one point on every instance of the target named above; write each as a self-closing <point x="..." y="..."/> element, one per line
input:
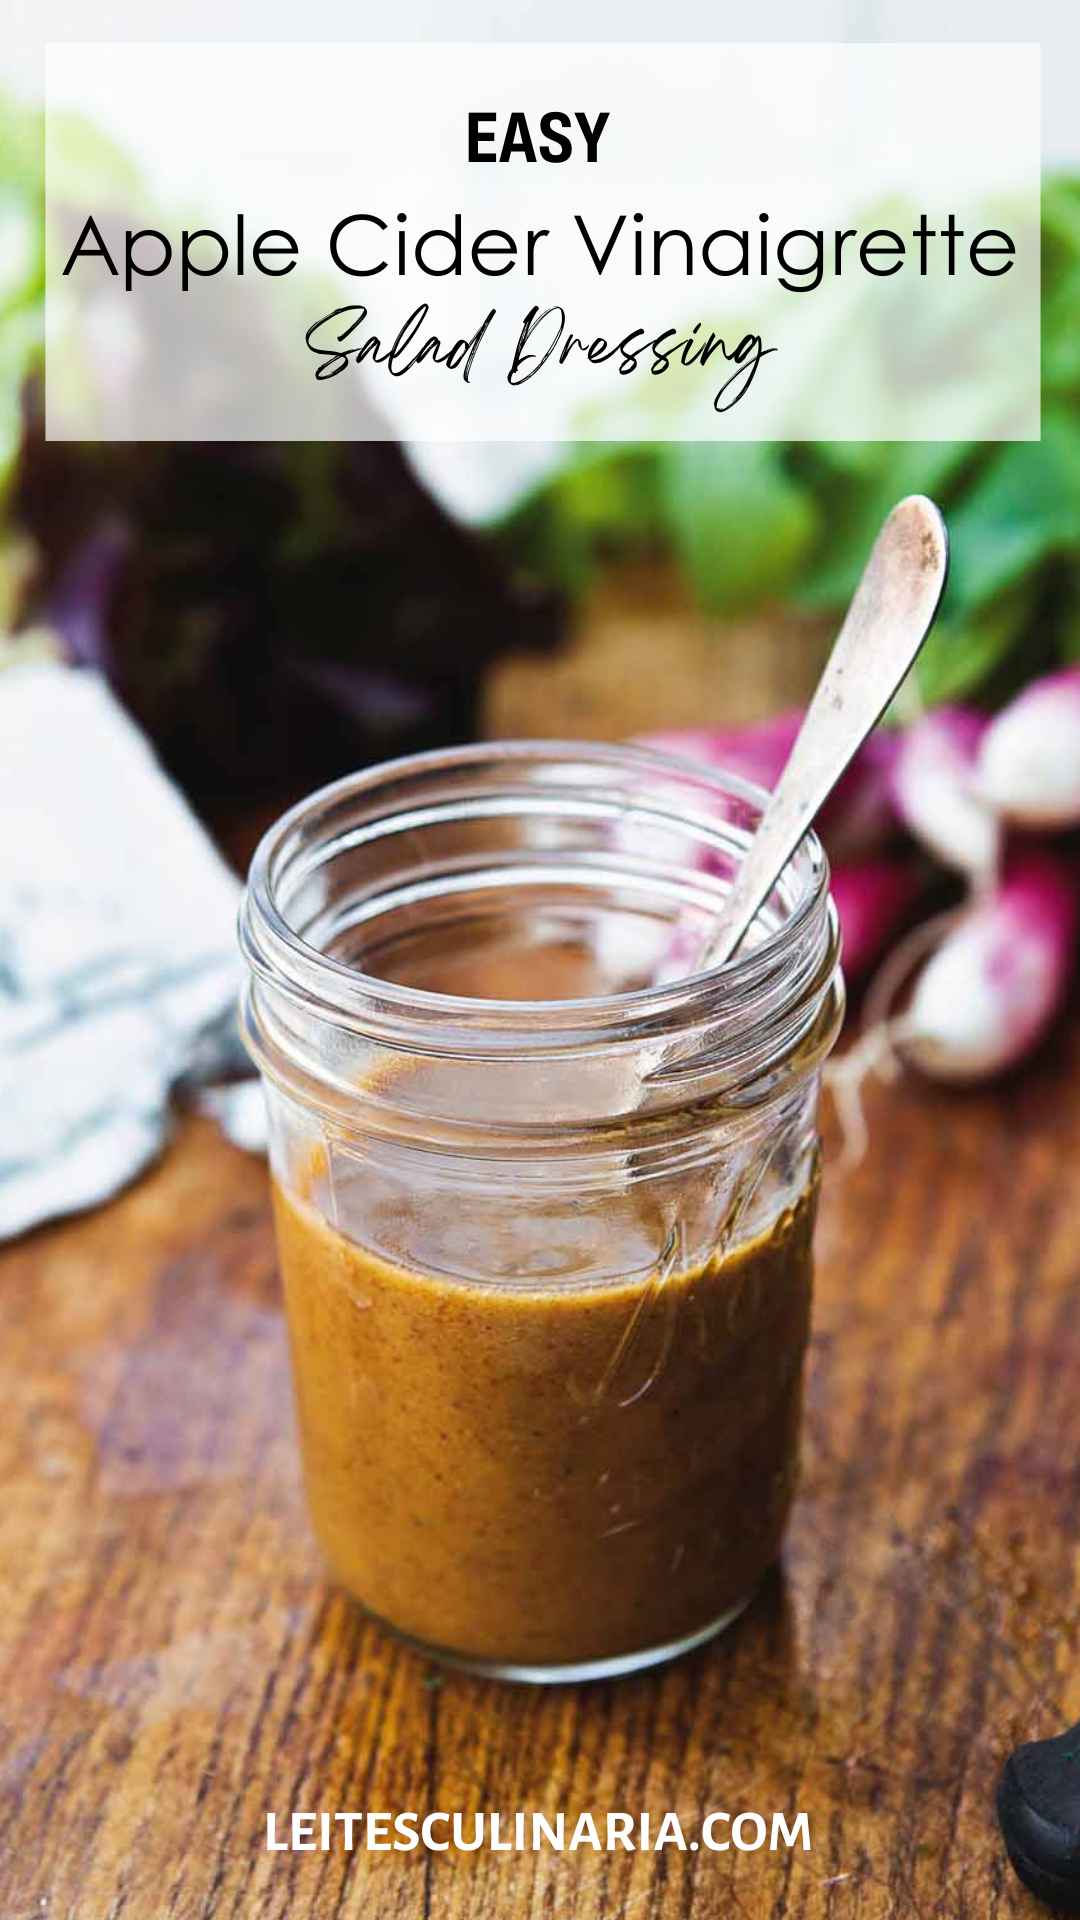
<point x="174" y="1666"/>
<point x="641" y="655"/>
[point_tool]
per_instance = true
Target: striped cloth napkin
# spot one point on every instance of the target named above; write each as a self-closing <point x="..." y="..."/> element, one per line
<point x="118" y="964"/>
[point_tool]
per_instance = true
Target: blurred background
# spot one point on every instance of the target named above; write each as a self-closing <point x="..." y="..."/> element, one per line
<point x="192" y="636"/>
<point x="272" y="617"/>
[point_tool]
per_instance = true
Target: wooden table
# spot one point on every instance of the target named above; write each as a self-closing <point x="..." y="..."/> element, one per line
<point x="173" y="1665"/>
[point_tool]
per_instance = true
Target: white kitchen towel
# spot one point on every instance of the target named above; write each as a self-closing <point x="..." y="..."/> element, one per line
<point x="118" y="962"/>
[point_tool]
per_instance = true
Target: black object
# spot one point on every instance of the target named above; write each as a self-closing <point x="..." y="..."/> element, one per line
<point x="1038" y="1805"/>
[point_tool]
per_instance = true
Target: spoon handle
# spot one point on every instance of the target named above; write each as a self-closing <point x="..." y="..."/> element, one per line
<point x="885" y="625"/>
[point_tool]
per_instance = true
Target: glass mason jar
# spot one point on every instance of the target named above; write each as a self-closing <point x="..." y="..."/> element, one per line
<point x="544" y="1194"/>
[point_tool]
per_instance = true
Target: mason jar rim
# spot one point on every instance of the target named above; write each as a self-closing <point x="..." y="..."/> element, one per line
<point x="279" y="955"/>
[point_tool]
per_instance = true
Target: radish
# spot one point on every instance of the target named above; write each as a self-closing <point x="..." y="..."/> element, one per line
<point x="935" y="792"/>
<point x="993" y="986"/>
<point x="873" y="898"/>
<point x="757" y="752"/>
<point x="856" y="819"/>
<point x="859" y="816"/>
<point x="1028" y="764"/>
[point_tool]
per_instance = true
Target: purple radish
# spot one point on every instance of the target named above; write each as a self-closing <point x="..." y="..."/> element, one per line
<point x="857" y="819"/>
<point x="873" y="899"/>
<point x="758" y="752"/>
<point x="935" y="792"/>
<point x="1028" y="764"/>
<point x="994" y="985"/>
<point x="873" y="896"/>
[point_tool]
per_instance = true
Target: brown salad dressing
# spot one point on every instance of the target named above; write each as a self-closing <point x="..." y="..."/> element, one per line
<point x="543" y="1471"/>
<point x="486" y="1474"/>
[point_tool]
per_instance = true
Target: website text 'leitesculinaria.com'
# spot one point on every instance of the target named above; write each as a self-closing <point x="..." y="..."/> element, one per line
<point x="612" y="1831"/>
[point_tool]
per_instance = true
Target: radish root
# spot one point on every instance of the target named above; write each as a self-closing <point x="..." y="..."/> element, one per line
<point x="878" y="1052"/>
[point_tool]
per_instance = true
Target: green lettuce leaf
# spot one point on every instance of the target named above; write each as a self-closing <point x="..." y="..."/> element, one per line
<point x="738" y="522"/>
